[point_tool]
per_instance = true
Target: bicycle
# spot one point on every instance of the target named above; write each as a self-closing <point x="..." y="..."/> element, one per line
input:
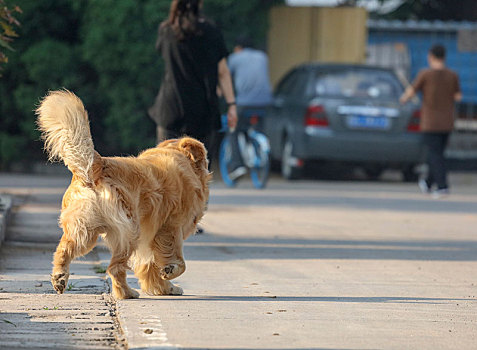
<point x="254" y="148"/>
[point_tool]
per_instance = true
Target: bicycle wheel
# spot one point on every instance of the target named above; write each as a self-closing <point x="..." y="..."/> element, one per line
<point x="261" y="169"/>
<point x="225" y="156"/>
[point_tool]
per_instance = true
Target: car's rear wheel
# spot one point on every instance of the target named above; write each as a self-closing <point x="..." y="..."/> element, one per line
<point x="373" y="172"/>
<point x="290" y="167"/>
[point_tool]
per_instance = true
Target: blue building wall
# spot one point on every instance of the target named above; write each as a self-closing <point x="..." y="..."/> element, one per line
<point x="419" y="42"/>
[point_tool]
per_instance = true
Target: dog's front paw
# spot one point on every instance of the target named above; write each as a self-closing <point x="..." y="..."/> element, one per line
<point x="60" y="281"/>
<point x="121" y="294"/>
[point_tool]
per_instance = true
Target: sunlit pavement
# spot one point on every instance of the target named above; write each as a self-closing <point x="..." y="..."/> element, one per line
<point x="312" y="265"/>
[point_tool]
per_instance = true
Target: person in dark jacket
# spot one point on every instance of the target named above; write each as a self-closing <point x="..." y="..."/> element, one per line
<point x="194" y="54"/>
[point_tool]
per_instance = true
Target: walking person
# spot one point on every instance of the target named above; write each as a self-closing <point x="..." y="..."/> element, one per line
<point x="194" y="54"/>
<point x="440" y="90"/>
<point x="250" y="74"/>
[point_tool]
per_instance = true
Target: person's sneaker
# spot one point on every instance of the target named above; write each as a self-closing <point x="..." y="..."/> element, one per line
<point x="423" y="186"/>
<point x="440" y="193"/>
<point x="237" y="172"/>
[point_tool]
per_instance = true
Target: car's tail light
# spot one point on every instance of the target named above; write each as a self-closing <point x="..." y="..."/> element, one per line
<point x="316" y="116"/>
<point x="254" y="119"/>
<point x="414" y="122"/>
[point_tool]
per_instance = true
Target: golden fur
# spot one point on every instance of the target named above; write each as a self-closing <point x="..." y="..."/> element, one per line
<point x="143" y="207"/>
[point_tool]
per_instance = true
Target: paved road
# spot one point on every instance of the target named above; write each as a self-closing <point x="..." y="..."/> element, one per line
<point x="318" y="265"/>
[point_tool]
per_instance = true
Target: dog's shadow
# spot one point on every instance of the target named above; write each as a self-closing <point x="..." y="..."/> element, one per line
<point x="283" y="298"/>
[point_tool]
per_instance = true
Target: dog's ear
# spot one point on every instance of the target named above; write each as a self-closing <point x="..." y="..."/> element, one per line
<point x="194" y="149"/>
<point x="166" y="143"/>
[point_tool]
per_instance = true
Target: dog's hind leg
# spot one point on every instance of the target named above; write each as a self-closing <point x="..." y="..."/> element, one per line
<point x="168" y="255"/>
<point x="117" y="271"/>
<point x="167" y="262"/>
<point x="68" y="249"/>
<point x="149" y="276"/>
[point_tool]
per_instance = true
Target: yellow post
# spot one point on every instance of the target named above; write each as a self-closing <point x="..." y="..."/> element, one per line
<point x="339" y="34"/>
<point x="307" y="34"/>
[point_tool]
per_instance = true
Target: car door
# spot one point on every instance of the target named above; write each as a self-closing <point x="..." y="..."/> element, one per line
<point x="288" y="109"/>
<point x="297" y="102"/>
<point x="276" y="118"/>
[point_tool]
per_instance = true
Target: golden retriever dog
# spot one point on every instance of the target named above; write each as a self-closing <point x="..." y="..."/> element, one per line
<point x="143" y="207"/>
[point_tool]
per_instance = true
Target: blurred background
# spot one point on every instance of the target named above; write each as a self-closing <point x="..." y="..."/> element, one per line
<point x="103" y="50"/>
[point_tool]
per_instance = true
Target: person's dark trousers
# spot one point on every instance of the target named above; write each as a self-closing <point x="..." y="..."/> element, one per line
<point x="209" y="141"/>
<point x="435" y="144"/>
<point x="164" y="134"/>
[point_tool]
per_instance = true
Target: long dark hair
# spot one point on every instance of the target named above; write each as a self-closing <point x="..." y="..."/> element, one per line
<point x="183" y="18"/>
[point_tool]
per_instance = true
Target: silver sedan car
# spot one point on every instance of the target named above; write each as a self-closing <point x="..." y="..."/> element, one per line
<point x="345" y="113"/>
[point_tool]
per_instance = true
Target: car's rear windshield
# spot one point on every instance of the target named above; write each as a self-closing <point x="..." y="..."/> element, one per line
<point x="355" y="83"/>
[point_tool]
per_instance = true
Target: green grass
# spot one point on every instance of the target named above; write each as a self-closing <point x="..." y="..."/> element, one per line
<point x="7" y="321"/>
<point x="47" y="308"/>
<point x="70" y="286"/>
<point x="99" y="269"/>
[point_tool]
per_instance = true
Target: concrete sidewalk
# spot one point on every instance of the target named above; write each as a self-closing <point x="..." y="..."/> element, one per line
<point x="32" y="315"/>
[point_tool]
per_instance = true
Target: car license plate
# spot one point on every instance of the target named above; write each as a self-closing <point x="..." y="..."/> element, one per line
<point x="365" y="122"/>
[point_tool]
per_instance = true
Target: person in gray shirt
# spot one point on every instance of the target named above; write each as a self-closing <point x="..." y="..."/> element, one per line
<point x="250" y="74"/>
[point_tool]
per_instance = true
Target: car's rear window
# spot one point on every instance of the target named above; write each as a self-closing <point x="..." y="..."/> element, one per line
<point x="357" y="84"/>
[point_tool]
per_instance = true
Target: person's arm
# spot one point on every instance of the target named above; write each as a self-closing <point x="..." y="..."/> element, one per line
<point x="407" y="95"/>
<point x="458" y="96"/>
<point x="412" y="89"/>
<point x="225" y="82"/>
<point x="159" y="39"/>
<point x="458" y="92"/>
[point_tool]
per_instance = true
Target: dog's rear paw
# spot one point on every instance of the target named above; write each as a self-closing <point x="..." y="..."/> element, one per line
<point x="164" y="288"/>
<point x="176" y="290"/>
<point x="59" y="281"/>
<point x="169" y="271"/>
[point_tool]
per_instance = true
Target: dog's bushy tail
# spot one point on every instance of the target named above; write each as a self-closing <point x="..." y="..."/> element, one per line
<point x="64" y="124"/>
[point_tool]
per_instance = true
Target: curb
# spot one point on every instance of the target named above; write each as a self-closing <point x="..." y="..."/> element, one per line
<point x="5" y="207"/>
